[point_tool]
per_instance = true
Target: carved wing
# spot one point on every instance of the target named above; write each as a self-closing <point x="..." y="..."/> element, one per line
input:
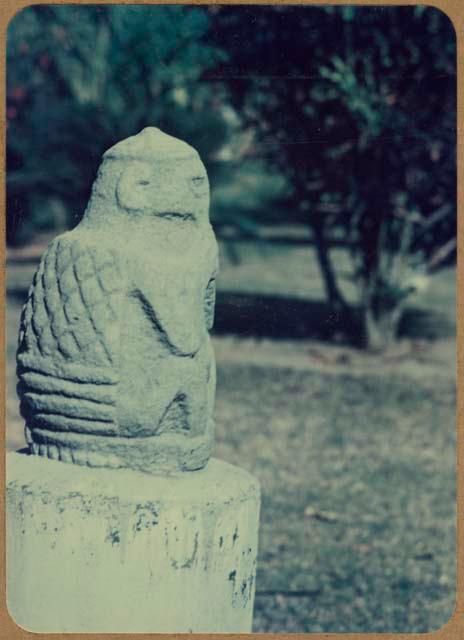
<point x="180" y="301"/>
<point x="68" y="341"/>
<point x="176" y="313"/>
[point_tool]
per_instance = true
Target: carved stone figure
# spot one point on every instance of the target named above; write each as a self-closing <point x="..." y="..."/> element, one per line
<point x="115" y="364"/>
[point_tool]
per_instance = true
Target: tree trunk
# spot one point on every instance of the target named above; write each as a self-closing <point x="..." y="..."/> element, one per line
<point x="381" y="327"/>
<point x="334" y="296"/>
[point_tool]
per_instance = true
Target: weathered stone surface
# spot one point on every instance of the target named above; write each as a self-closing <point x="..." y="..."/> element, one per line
<point x="103" y="550"/>
<point x="114" y="360"/>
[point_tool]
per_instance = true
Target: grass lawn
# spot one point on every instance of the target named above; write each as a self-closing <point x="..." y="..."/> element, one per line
<point x="357" y="473"/>
<point x="355" y="456"/>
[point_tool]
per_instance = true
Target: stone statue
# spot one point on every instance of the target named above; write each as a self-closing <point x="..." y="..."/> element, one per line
<point x="115" y="364"/>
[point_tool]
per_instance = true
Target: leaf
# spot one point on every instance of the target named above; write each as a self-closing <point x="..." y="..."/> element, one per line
<point x="323" y="516"/>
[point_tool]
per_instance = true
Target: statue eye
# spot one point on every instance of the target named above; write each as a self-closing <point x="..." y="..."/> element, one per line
<point x="199" y="186"/>
<point x="144" y="182"/>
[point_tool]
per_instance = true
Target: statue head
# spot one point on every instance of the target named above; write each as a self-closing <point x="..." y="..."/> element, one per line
<point x="154" y="174"/>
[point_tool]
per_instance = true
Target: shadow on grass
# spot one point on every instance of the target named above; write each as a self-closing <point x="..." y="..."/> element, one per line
<point x="278" y="317"/>
<point x="269" y="316"/>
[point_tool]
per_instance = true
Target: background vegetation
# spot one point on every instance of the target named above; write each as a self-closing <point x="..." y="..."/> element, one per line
<point x="329" y="135"/>
<point x="343" y="118"/>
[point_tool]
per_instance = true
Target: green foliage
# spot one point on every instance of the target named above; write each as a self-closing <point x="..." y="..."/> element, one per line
<point x="341" y="118"/>
<point x="356" y="107"/>
<point x="81" y="78"/>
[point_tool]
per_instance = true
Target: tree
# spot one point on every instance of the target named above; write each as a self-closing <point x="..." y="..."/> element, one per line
<point x="356" y="108"/>
<point x="80" y="78"/>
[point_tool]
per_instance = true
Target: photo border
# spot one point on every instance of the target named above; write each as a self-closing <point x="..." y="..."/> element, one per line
<point x="454" y="628"/>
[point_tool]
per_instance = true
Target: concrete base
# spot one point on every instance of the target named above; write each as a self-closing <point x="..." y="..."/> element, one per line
<point x="102" y="550"/>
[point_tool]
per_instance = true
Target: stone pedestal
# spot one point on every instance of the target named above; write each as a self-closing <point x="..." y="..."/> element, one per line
<point x="102" y="550"/>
